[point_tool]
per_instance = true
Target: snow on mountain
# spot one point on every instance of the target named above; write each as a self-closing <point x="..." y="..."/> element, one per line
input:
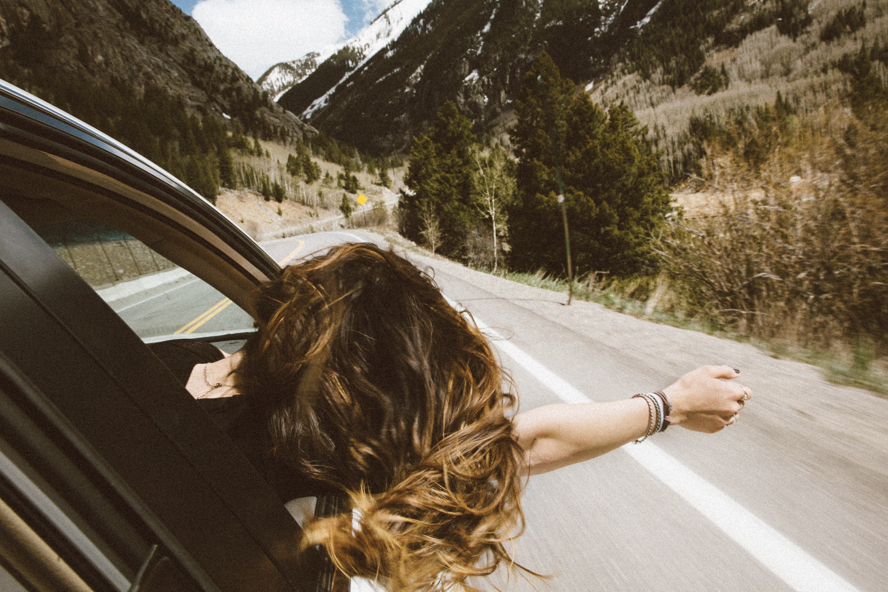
<point x="280" y="77"/>
<point x="387" y="26"/>
<point x="372" y="38"/>
<point x="647" y="17"/>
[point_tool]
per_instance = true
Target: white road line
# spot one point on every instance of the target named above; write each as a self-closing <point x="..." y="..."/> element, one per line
<point x="785" y="559"/>
<point x="776" y="552"/>
<point x="158" y="295"/>
<point x="357" y="239"/>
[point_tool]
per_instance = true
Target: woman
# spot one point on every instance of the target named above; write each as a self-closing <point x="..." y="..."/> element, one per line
<point x="363" y="380"/>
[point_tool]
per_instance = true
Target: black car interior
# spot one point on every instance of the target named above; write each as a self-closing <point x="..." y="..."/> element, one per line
<point x="111" y="476"/>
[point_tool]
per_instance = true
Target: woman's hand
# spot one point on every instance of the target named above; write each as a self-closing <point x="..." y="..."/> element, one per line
<point x="703" y="402"/>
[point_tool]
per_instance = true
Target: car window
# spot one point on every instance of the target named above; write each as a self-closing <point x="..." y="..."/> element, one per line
<point x="156" y="298"/>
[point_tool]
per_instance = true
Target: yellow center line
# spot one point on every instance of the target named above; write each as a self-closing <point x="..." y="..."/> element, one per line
<point x="295" y="251"/>
<point x="223" y="304"/>
<point x="216" y="309"/>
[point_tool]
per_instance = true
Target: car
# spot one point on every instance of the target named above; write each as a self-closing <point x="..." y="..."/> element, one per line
<point x="111" y="476"/>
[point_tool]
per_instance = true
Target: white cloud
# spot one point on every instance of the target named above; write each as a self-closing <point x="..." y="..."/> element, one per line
<point x="256" y="34"/>
<point x="373" y="8"/>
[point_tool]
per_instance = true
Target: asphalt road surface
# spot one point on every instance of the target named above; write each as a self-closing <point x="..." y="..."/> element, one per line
<point x="794" y="497"/>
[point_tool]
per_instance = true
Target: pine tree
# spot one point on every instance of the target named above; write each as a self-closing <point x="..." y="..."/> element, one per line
<point x="265" y="187"/>
<point x="422" y="180"/>
<point x="345" y="207"/>
<point x="294" y="165"/>
<point x="868" y="95"/>
<point x="793" y="17"/>
<point x="312" y="171"/>
<point x="277" y="192"/>
<point x="439" y="181"/>
<point x="384" y="178"/>
<point x="226" y="168"/>
<point x="614" y="194"/>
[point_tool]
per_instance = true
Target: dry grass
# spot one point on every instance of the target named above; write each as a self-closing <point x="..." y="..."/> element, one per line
<point x="766" y="62"/>
<point x="799" y="252"/>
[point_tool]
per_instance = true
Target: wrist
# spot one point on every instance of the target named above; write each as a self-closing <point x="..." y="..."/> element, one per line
<point x="677" y="414"/>
<point x="658" y="408"/>
<point x="665" y="408"/>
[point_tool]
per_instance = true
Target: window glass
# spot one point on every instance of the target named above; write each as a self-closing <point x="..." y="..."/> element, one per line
<point x="155" y="297"/>
<point x="7" y="583"/>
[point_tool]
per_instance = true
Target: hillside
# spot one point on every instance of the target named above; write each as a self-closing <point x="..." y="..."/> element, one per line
<point x="803" y="51"/>
<point x="658" y="57"/>
<point x="66" y="50"/>
<point x="471" y="52"/>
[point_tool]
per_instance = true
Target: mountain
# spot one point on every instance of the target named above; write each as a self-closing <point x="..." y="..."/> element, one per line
<point x="338" y="62"/>
<point x="669" y="60"/>
<point x="53" y="46"/>
<point x="282" y="77"/>
<point x="469" y="51"/>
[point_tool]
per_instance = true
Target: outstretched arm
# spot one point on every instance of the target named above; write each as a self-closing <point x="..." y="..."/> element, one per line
<point x="554" y="436"/>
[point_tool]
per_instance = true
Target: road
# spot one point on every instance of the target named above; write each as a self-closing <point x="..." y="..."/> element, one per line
<point x="794" y="497"/>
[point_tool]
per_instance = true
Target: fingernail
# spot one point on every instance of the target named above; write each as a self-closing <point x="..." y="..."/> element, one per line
<point x="737" y="370"/>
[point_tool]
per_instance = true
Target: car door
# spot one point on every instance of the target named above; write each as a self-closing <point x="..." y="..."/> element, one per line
<point x="111" y="477"/>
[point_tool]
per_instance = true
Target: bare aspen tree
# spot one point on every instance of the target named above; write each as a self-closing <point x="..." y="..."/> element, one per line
<point x="494" y="189"/>
<point x="431" y="225"/>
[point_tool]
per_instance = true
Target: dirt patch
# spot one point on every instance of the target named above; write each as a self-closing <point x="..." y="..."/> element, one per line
<point x="262" y="219"/>
<point x="255" y="216"/>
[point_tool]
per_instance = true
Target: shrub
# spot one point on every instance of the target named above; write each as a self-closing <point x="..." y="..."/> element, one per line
<point x="806" y="270"/>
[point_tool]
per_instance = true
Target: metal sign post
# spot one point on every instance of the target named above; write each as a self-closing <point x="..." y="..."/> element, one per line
<point x="554" y="145"/>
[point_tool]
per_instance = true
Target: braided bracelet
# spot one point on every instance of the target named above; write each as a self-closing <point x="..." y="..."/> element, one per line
<point x="652" y="416"/>
<point x="661" y="415"/>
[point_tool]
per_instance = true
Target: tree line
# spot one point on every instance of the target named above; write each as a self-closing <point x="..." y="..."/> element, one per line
<point x="199" y="149"/>
<point x="804" y="258"/>
<point x="475" y="203"/>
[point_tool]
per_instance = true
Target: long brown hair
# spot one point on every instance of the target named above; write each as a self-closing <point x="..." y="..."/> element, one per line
<point x="378" y="387"/>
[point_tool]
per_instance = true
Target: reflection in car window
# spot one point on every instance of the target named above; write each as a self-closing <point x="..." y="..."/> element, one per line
<point x="156" y="298"/>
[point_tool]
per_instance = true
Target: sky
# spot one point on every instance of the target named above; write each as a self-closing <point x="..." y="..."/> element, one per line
<point x="257" y="34"/>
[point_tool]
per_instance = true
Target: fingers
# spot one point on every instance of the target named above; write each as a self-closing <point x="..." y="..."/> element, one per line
<point x="743" y="393"/>
<point x="723" y="371"/>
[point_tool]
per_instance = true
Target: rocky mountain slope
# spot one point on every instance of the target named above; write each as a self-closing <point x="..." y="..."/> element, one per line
<point x="701" y="57"/>
<point x="469" y="51"/>
<point x="282" y="77"/>
<point x="338" y="62"/>
<point x="137" y="44"/>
